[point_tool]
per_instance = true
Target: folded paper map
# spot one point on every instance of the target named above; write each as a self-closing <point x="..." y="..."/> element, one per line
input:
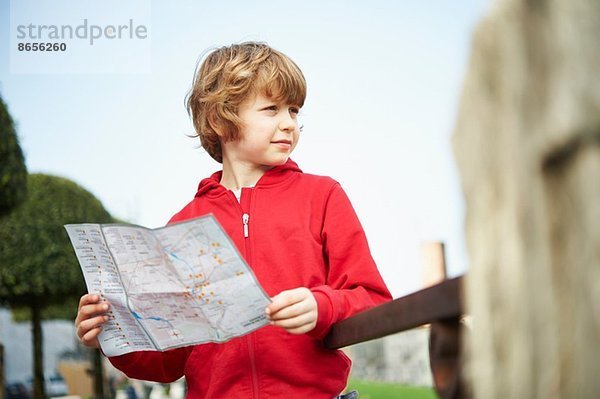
<point x="174" y="286"/>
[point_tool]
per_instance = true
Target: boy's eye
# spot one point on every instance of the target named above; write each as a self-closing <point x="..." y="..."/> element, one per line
<point x="295" y="110"/>
<point x="271" y="108"/>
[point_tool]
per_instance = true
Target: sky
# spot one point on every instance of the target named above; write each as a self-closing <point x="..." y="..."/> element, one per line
<point x="384" y="81"/>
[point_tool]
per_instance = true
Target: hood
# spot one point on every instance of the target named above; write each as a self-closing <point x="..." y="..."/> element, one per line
<point x="211" y="186"/>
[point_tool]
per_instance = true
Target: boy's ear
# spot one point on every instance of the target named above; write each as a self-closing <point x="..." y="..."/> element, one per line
<point x="215" y="125"/>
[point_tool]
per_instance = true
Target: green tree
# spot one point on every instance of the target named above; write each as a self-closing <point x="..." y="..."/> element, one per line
<point x="13" y="173"/>
<point x="38" y="267"/>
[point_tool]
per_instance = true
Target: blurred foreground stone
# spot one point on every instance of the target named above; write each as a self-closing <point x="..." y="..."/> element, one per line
<point x="527" y="141"/>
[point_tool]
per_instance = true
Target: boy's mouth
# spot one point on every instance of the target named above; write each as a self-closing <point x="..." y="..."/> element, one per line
<point x="288" y="142"/>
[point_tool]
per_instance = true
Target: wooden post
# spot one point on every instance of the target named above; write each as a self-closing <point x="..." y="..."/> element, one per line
<point x="446" y="358"/>
<point x="445" y="346"/>
<point x="440" y="305"/>
<point x="433" y="263"/>
<point x="438" y="302"/>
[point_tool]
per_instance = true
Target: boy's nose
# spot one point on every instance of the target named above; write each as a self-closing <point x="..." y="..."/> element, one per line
<point x="287" y="123"/>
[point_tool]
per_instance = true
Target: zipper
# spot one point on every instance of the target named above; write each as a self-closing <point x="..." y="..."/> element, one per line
<point x="253" y="366"/>
<point x="245" y="200"/>
<point x="245" y="219"/>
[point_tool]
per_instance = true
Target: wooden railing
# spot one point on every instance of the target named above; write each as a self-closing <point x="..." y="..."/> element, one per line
<point x="440" y="306"/>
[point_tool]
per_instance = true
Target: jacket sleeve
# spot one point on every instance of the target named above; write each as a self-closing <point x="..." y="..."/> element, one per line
<point x="353" y="281"/>
<point x="162" y="367"/>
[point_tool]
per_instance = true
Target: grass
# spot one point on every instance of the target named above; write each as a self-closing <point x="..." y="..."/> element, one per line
<point x="385" y="390"/>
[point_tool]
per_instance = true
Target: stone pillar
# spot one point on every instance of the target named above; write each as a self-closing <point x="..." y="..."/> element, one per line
<point x="527" y="143"/>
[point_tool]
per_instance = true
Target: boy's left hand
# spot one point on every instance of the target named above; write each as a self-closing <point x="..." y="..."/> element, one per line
<point x="295" y="310"/>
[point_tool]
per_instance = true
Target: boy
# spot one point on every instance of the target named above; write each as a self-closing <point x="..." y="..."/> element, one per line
<point x="298" y="233"/>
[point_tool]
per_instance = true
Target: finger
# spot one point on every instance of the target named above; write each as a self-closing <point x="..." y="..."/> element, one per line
<point x="295" y="322"/>
<point x="303" y="329"/>
<point x="90" y="338"/>
<point x="88" y="298"/>
<point x="88" y="311"/>
<point x="286" y="298"/>
<point x="89" y="324"/>
<point x="281" y="301"/>
<point x="291" y="311"/>
<point x="84" y="302"/>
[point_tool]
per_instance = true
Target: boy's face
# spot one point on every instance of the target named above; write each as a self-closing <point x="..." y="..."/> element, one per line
<point x="268" y="135"/>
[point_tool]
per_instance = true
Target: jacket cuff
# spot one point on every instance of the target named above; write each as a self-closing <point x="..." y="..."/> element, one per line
<point x="123" y="361"/>
<point x="324" y="314"/>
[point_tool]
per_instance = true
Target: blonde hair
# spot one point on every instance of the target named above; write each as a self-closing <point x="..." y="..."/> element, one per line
<point x="230" y="75"/>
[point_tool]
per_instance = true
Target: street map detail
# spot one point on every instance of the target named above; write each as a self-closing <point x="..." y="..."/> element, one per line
<point x="178" y="285"/>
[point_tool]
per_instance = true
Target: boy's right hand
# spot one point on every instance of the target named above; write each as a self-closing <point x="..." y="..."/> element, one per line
<point x="90" y="317"/>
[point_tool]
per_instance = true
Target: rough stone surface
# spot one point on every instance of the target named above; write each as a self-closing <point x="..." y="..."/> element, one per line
<point x="527" y="142"/>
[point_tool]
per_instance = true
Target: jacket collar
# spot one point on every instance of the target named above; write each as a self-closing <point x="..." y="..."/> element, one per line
<point x="212" y="187"/>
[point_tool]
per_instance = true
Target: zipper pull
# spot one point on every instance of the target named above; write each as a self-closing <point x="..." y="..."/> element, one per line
<point x="245" y="218"/>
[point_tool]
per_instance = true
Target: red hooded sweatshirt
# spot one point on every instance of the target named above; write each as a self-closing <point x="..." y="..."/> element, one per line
<point x="294" y="230"/>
